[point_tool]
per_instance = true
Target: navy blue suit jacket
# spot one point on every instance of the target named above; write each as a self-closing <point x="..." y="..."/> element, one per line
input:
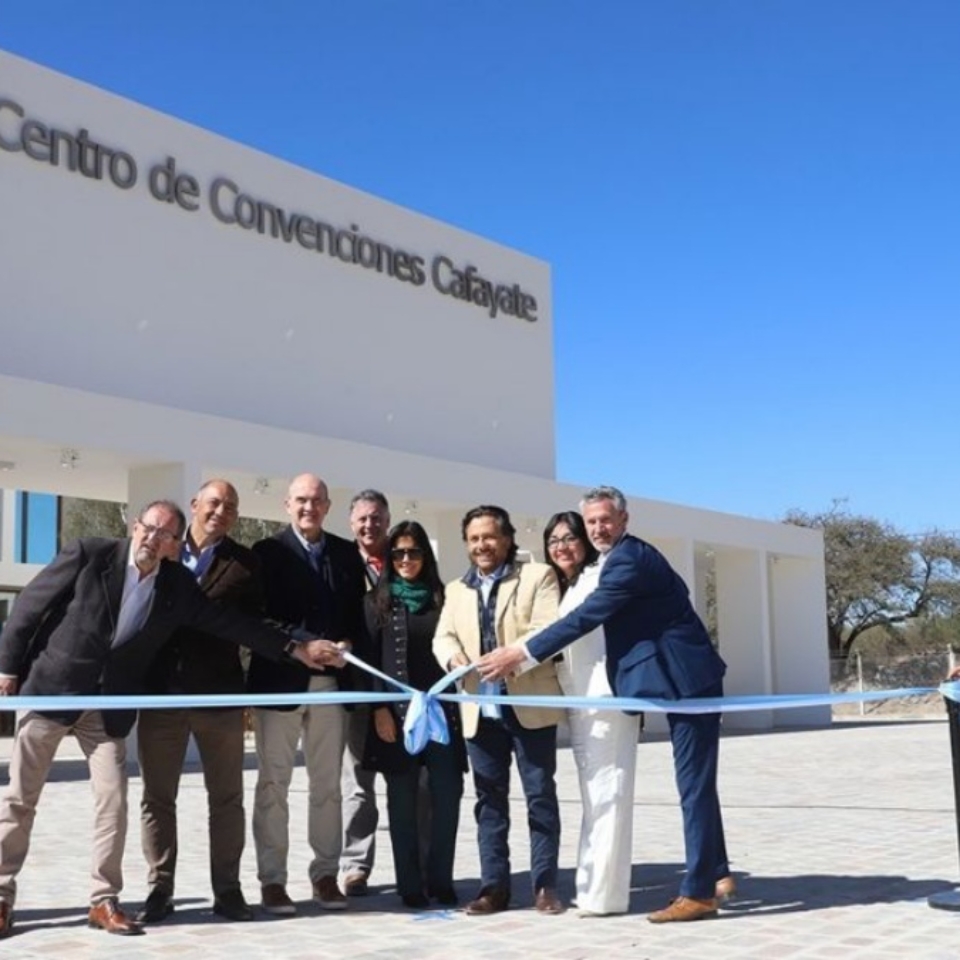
<point x="656" y="644"/>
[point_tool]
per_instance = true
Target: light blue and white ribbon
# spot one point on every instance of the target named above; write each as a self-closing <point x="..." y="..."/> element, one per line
<point x="425" y="721"/>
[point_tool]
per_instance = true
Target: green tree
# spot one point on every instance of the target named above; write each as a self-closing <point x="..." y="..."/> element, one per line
<point x="251" y="529"/>
<point x="878" y="576"/>
<point x="80" y="517"/>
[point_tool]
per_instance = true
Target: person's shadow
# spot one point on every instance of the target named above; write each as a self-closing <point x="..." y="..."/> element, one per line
<point x="654" y="884"/>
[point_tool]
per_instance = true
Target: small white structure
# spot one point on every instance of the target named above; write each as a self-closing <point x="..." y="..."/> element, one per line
<point x="176" y="306"/>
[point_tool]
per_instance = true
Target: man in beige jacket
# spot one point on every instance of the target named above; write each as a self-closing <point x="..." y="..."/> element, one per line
<point x="497" y="603"/>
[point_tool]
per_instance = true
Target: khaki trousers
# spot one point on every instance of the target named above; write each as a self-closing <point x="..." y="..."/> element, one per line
<point x="321" y="731"/>
<point x="34" y="747"/>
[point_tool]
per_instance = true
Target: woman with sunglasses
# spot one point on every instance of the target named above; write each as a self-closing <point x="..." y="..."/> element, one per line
<point x="604" y="742"/>
<point x="401" y="615"/>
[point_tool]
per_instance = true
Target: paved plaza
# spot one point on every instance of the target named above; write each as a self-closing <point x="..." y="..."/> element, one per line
<point x="837" y="837"/>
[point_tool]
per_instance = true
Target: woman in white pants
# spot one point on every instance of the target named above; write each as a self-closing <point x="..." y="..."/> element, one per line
<point x="604" y="741"/>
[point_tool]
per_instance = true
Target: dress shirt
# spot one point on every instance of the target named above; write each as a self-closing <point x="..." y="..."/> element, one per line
<point x="197" y="559"/>
<point x="314" y="549"/>
<point x="136" y="602"/>
<point x="490" y="687"/>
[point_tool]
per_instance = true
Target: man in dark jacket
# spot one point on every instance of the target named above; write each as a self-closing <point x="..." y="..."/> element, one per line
<point x="195" y="662"/>
<point x="90" y="623"/>
<point x="314" y="582"/>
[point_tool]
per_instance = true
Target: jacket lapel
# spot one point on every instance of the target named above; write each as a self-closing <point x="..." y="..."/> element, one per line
<point x="112" y="574"/>
<point x="218" y="567"/>
<point x="505" y="593"/>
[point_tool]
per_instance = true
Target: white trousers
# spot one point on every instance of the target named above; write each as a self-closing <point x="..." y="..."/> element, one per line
<point x="605" y="749"/>
<point x="604" y="746"/>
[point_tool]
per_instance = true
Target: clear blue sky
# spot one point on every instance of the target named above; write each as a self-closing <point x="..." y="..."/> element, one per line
<point x="752" y="208"/>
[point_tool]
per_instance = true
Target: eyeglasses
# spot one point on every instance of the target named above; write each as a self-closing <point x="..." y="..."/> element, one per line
<point x="567" y="540"/>
<point x="406" y="553"/>
<point x="158" y="533"/>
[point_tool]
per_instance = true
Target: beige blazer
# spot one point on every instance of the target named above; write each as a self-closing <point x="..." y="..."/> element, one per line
<point x="527" y="600"/>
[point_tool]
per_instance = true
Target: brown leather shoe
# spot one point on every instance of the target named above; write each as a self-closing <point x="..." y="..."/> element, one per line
<point x="274" y="900"/>
<point x="726" y="889"/>
<point x="6" y="919"/>
<point x="328" y="895"/>
<point x="355" y="885"/>
<point x="548" y="902"/>
<point x="491" y="900"/>
<point x="107" y="915"/>
<point x="685" y="908"/>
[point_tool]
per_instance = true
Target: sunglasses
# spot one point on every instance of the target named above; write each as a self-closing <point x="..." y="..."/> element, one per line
<point x="406" y="553"/>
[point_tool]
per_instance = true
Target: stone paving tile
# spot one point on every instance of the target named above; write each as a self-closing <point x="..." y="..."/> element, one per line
<point x="838" y="837"/>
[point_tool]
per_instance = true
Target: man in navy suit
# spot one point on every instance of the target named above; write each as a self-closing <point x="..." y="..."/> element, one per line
<point x="656" y="647"/>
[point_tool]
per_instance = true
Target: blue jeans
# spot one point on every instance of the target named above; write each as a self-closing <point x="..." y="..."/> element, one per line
<point x="491" y="752"/>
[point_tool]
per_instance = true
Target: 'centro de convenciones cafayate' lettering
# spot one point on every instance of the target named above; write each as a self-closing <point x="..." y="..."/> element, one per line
<point x="80" y="153"/>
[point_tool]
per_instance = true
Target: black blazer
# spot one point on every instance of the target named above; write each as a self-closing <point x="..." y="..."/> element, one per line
<point x="58" y="637"/>
<point x="294" y="595"/>
<point x="403" y="648"/>
<point x="195" y="662"/>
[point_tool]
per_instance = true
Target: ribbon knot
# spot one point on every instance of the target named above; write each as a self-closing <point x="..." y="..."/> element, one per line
<point x="425" y="721"/>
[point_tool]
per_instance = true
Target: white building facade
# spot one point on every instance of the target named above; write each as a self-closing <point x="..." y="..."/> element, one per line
<point x="176" y="306"/>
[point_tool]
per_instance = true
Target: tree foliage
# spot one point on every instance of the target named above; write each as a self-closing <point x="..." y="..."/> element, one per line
<point x="104" y="518"/>
<point x="878" y="576"/>
<point x="80" y="517"/>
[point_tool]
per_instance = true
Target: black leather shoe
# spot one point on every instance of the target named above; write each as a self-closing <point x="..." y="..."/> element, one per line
<point x="232" y="906"/>
<point x="157" y="907"/>
<point x="491" y="900"/>
<point x="6" y="919"/>
<point x="415" y="901"/>
<point x="445" y="896"/>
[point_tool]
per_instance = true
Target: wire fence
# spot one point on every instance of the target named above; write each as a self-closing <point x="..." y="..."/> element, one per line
<point x="884" y="671"/>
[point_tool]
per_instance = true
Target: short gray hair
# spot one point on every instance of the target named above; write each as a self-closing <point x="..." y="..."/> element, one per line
<point x="370" y="496"/>
<point x="594" y="494"/>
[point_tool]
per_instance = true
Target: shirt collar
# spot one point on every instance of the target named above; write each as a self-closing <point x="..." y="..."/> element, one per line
<point x="474" y="578"/>
<point x="316" y="547"/>
<point x="132" y="571"/>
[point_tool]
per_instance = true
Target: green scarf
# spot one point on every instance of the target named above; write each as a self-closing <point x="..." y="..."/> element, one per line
<point x="413" y="594"/>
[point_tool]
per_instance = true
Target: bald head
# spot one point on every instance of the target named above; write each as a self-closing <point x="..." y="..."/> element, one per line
<point x="307" y="505"/>
<point x="213" y="512"/>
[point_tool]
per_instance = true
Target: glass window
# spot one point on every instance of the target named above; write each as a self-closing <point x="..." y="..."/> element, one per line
<point x="36" y="524"/>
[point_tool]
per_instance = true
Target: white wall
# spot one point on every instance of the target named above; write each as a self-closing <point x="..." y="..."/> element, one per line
<point x="156" y="303"/>
<point x="165" y="346"/>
